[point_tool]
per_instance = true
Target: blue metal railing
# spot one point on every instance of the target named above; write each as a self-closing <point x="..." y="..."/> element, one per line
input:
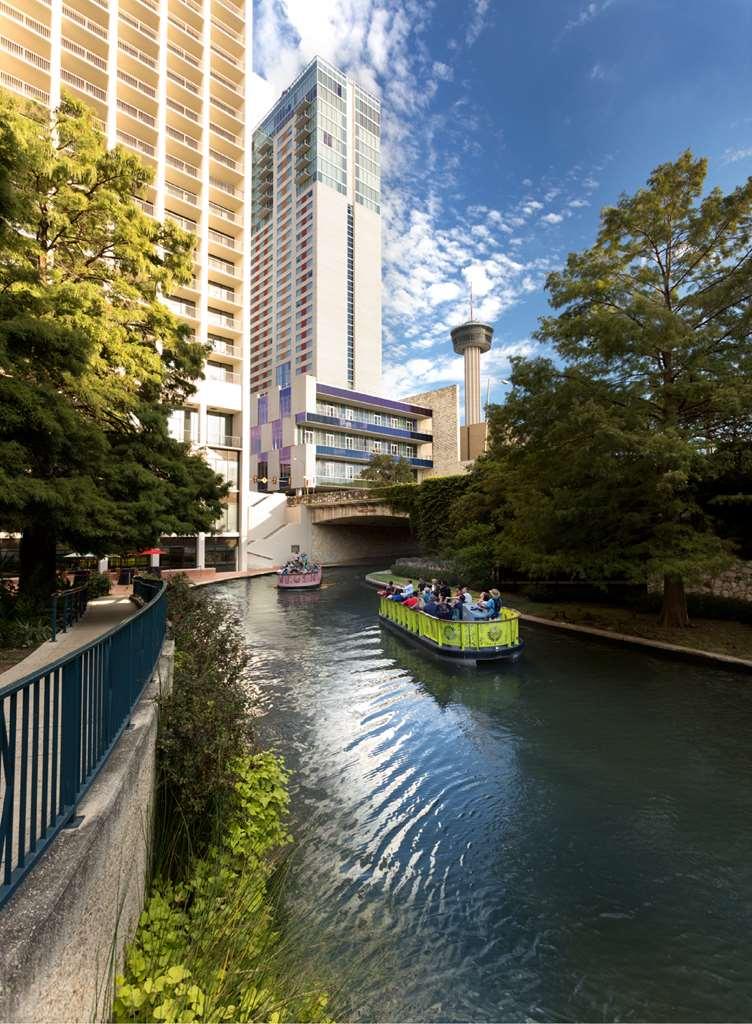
<point x="58" y="726"/>
<point x="67" y="607"/>
<point x="146" y="587"/>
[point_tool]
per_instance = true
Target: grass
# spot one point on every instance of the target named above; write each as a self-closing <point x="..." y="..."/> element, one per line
<point x="719" y="636"/>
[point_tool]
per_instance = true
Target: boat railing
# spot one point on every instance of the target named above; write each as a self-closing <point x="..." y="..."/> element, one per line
<point x="503" y="631"/>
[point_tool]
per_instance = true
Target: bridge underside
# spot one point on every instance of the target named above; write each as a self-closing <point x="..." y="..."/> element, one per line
<point x="395" y="522"/>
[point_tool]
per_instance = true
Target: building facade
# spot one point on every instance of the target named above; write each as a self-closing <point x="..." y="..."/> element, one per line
<point x="310" y="434"/>
<point x="170" y="79"/>
<point x="316" y="236"/>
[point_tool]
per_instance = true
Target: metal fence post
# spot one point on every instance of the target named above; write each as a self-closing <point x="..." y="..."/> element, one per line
<point x="70" y="733"/>
<point x="53" y="617"/>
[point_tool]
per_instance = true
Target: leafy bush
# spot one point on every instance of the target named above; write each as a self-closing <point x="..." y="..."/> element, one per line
<point x="206" y="948"/>
<point x="18" y="633"/>
<point x="98" y="584"/>
<point x="205" y="722"/>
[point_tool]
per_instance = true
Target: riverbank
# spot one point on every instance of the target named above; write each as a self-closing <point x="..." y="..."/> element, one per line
<point x="720" y="641"/>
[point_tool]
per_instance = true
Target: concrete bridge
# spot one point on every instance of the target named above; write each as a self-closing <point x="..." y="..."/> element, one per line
<point x="350" y="508"/>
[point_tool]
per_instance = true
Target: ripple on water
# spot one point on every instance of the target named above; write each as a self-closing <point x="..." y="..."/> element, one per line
<point x="565" y="838"/>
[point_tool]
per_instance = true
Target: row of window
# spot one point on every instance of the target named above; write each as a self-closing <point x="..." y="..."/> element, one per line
<point x="358" y="443"/>
<point x="345" y="412"/>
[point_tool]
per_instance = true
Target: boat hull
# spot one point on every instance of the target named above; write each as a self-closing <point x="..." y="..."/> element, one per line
<point x="299" y="580"/>
<point x="475" y="642"/>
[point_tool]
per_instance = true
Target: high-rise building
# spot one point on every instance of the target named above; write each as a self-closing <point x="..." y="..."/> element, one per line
<point x="316" y="236"/>
<point x="170" y="79"/>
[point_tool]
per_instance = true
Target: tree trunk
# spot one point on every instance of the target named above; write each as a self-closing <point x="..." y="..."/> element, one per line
<point x="674" y="611"/>
<point x="38" y="557"/>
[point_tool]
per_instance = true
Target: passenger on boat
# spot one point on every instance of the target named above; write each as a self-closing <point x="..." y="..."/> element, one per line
<point x="388" y="590"/>
<point x="484" y="608"/>
<point x="445" y="590"/>
<point x="443" y="608"/>
<point x="496" y="598"/>
<point x="413" y="602"/>
<point x="402" y="592"/>
<point x="431" y="605"/>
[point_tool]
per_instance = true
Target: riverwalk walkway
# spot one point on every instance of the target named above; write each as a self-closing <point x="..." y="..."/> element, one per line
<point x="101" y="615"/>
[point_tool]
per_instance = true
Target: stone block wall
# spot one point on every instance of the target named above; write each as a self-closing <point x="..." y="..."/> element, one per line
<point x="735" y="582"/>
<point x="445" y="405"/>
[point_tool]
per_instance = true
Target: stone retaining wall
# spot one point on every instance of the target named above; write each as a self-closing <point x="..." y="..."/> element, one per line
<point x="735" y="582"/>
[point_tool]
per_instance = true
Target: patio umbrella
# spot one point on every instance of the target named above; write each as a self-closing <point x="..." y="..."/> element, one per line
<point x="153" y="551"/>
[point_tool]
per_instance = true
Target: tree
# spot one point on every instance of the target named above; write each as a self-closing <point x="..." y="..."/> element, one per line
<point x="385" y="469"/>
<point x="607" y="448"/>
<point x="91" y="361"/>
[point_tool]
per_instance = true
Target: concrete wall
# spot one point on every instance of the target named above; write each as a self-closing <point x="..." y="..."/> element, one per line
<point x="330" y="302"/>
<point x="367" y="299"/>
<point x="65" y="928"/>
<point x="343" y="545"/>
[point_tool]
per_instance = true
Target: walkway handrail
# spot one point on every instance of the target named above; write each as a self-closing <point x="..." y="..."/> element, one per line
<point x="67" y="606"/>
<point x="58" y="725"/>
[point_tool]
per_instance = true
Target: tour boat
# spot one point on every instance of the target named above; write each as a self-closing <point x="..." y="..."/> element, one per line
<point x="470" y="641"/>
<point x="299" y="573"/>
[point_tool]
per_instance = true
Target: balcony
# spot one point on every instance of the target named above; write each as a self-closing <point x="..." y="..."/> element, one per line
<point x="83" y="85"/>
<point x="224" y="266"/>
<point x="148" y="31"/>
<point x="184" y="54"/>
<point x="184" y="194"/>
<point x="223" y="441"/>
<point x="136" y="113"/>
<point x="219" y="291"/>
<point x="86" y="23"/>
<point x="218" y="318"/>
<point x="180" y="165"/>
<point x="183" y="138"/>
<point x="222" y="346"/>
<point x="225" y="186"/>
<point x="221" y="239"/>
<point x="136" y="54"/>
<point x="362" y="426"/>
<point x="133" y="143"/>
<point x="137" y="83"/>
<point x="187" y="112"/>
<point x="184" y="222"/>
<point x="223" y="212"/>
<point x="29" y="91"/>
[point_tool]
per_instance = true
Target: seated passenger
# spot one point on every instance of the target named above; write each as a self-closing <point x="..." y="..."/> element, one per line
<point x="496" y="598"/>
<point x="387" y="590"/>
<point x="443" y="609"/>
<point x="484" y="608"/>
<point x="413" y="601"/>
<point x="430" y="606"/>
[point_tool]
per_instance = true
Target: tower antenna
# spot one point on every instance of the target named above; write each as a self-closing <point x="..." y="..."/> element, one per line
<point x="471" y="300"/>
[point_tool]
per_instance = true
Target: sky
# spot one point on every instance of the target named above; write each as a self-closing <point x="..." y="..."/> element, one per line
<point x="507" y="126"/>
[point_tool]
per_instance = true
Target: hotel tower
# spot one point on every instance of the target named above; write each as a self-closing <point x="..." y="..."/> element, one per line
<point x="316" y="235"/>
<point x="170" y="79"/>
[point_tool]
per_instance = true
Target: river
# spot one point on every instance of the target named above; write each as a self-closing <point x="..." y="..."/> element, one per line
<point x="565" y="838"/>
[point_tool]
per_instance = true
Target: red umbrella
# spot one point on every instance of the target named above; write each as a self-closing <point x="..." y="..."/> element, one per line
<point x="153" y="551"/>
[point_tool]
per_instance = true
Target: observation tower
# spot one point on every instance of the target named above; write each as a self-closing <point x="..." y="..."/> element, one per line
<point x="470" y="340"/>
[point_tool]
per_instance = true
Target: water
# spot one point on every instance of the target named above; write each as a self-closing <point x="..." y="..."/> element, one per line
<point x="564" y="838"/>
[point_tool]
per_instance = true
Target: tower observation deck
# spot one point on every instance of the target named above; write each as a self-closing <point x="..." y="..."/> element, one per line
<point x="471" y="339"/>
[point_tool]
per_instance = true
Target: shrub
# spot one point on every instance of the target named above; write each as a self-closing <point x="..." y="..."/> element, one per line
<point x="206" y="949"/>
<point x="204" y="723"/>
<point x="98" y="584"/>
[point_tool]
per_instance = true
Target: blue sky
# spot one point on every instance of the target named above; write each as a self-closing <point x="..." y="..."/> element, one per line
<point x="507" y="126"/>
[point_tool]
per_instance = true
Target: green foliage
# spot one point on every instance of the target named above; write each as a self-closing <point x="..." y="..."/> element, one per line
<point x="91" y="361"/>
<point x="621" y="458"/>
<point x="21" y="624"/>
<point x="206" y="949"/>
<point x="205" y="722"/>
<point x="385" y="469"/>
<point x="429" y="504"/>
<point x="98" y="584"/>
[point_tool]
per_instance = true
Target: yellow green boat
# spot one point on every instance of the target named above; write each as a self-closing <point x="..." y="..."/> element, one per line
<point x="483" y="640"/>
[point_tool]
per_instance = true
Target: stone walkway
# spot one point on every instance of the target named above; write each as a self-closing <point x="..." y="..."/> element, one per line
<point x="102" y="615"/>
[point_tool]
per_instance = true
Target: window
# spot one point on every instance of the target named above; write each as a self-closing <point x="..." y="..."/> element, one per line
<point x="328" y="140"/>
<point x="307" y="437"/>
<point x="282" y="375"/>
<point x="276" y="433"/>
<point x="329" y="440"/>
<point x="376" y="446"/>
<point x="329" y="410"/>
<point x="263" y="409"/>
<point x="377" y="418"/>
<point x="285" y="400"/>
<point x="348" y="413"/>
<point x="394" y="449"/>
<point x="349" y="442"/>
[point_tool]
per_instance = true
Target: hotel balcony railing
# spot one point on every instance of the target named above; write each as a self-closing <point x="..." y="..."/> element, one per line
<point x="182" y="193"/>
<point x="365" y="456"/>
<point x="135" y="112"/>
<point x="185" y="55"/>
<point x="224" y="265"/>
<point x="80" y="83"/>
<point x="24" y="19"/>
<point x="225" y="186"/>
<point x="134" y="143"/>
<point x="224" y="133"/>
<point x="227" y="109"/>
<point x="226" y="83"/>
<point x="184" y="27"/>
<point x="30" y="91"/>
<point x="145" y="205"/>
<point x="218" y="318"/>
<point x="181" y="165"/>
<point x="362" y="426"/>
<point x="140" y="26"/>
<point x="28" y="55"/>
<point x="180" y="306"/>
<point x="232" y="7"/>
<point x="187" y="112"/>
<point x="221" y="345"/>
<point x="223" y="212"/>
<point x="222" y="159"/>
<point x="219" y="291"/>
<point x="182" y="137"/>
<point x="137" y="54"/>
<point x="136" y="83"/>
<point x="224" y="27"/>
<point x="223" y="441"/>
<point x="185" y="222"/>
<point x="221" y="239"/>
<point x="228" y="377"/>
<point x="88" y="55"/>
<point x="185" y="83"/>
<point x="84" y="22"/>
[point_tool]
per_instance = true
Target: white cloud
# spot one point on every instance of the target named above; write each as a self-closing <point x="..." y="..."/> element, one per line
<point x="477" y="21"/>
<point x="552" y="218"/>
<point x="531" y="206"/>
<point x="597" y="72"/>
<point x="586" y="14"/>
<point x="577" y="203"/>
<point x="443" y="71"/>
<point x="731" y="156"/>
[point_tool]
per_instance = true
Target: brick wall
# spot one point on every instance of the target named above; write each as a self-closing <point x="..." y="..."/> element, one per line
<point x="445" y="405"/>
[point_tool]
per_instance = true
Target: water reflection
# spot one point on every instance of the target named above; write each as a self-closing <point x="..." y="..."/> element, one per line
<point x="565" y="837"/>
